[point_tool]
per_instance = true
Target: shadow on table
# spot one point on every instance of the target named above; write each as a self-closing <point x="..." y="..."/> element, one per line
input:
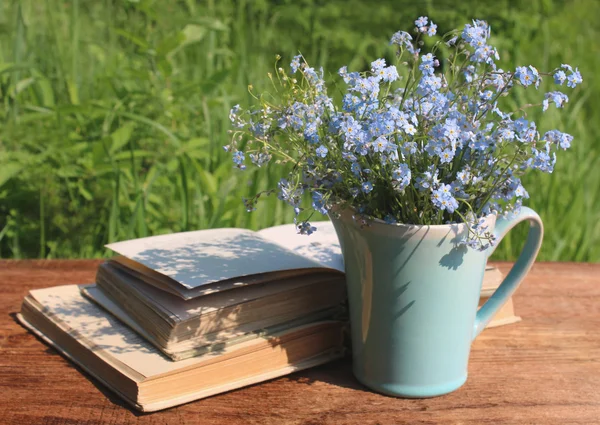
<point x="338" y="373"/>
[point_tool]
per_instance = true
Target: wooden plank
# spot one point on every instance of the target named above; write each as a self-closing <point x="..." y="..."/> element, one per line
<point x="544" y="370"/>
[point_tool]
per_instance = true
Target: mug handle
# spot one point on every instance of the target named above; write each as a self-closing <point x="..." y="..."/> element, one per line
<point x="519" y="270"/>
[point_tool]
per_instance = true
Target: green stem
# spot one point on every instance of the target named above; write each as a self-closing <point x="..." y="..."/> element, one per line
<point x="496" y="183"/>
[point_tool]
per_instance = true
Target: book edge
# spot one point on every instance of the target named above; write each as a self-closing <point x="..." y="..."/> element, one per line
<point x="309" y="363"/>
<point x="504" y="321"/>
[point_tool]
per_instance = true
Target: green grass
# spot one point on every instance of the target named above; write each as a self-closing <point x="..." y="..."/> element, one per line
<point x="113" y="113"/>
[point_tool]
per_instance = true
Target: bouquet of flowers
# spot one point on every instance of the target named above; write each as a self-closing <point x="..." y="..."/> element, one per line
<point x="422" y="143"/>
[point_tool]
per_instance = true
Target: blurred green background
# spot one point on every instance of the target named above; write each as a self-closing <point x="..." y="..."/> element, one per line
<point x="113" y="114"/>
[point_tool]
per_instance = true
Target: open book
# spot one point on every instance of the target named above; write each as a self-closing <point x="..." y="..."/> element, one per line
<point x="202" y="262"/>
<point x="191" y="292"/>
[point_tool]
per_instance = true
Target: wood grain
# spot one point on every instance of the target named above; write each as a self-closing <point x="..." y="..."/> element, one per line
<point x="544" y="370"/>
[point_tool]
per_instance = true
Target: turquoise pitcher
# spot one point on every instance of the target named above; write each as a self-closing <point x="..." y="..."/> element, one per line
<point x="413" y="294"/>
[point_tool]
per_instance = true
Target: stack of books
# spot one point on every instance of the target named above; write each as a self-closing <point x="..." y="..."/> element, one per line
<point x="179" y="317"/>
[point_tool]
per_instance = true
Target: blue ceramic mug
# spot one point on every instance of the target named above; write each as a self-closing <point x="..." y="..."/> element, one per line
<point x="413" y="294"/>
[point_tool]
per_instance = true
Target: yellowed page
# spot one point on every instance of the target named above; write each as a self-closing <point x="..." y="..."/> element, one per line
<point x="194" y="259"/>
<point x="322" y="246"/>
<point x="159" y="281"/>
<point x="183" y="310"/>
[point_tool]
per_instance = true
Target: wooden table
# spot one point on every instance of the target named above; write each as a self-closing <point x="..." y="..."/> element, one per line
<point x="544" y="370"/>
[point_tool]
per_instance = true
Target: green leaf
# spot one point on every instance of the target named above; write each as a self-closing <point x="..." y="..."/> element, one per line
<point x="138" y="153"/>
<point x="193" y="33"/>
<point x="22" y="85"/>
<point x="121" y="136"/>
<point x="10" y="67"/>
<point x="7" y="171"/>
<point x="208" y="182"/>
<point x="133" y="38"/>
<point x="45" y="87"/>
<point x="211" y="23"/>
<point x="170" y="44"/>
<point x="197" y="147"/>
<point x="215" y="81"/>
<point x="73" y="92"/>
<point x="84" y="192"/>
<point x="151" y="123"/>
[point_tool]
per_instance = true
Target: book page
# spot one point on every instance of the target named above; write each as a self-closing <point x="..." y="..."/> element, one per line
<point x="182" y="310"/>
<point x="198" y="258"/>
<point x="322" y="246"/>
<point x="95" y="294"/>
<point x="202" y="345"/>
<point x="90" y="322"/>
